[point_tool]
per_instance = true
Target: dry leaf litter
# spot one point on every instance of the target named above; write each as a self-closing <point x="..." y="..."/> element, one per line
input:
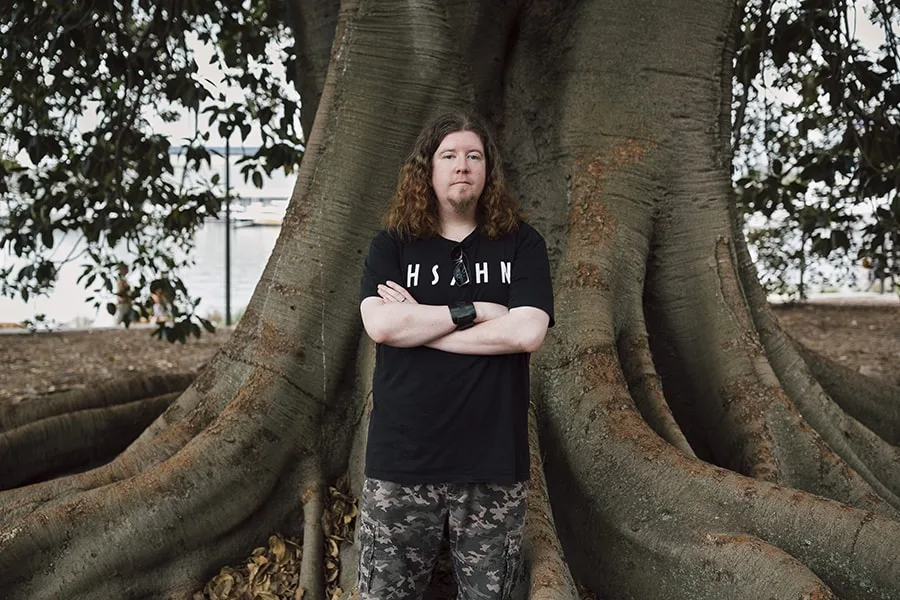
<point x="273" y="573"/>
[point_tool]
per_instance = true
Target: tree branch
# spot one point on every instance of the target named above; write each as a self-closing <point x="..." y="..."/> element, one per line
<point x="313" y="25"/>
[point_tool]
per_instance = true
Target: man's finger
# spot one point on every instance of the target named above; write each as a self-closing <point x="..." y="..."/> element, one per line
<point x="397" y="286"/>
<point x="390" y="296"/>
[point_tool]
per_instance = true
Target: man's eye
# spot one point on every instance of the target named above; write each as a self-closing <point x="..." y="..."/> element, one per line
<point x="474" y="157"/>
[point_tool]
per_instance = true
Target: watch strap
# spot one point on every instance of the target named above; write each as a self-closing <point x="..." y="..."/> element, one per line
<point x="463" y="315"/>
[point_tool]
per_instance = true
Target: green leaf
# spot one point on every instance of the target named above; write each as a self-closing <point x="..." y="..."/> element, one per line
<point x="777" y="167"/>
<point x="840" y="239"/>
<point x="47" y="238"/>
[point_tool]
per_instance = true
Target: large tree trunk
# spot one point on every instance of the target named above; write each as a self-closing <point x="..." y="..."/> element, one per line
<point x="683" y="447"/>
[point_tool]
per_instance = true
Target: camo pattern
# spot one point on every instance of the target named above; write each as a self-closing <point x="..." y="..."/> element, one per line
<point x="400" y="532"/>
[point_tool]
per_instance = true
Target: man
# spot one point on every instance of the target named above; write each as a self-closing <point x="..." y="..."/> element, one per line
<point x="160" y="294"/>
<point x="123" y="297"/>
<point x="456" y="293"/>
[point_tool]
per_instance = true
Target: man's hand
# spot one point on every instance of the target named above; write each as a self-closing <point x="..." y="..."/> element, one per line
<point x="394" y="292"/>
<point x="396" y="319"/>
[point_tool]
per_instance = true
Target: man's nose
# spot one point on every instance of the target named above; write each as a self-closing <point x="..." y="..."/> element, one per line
<point x="462" y="164"/>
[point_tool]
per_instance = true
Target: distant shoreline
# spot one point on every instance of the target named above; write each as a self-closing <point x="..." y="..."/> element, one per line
<point x="849" y="299"/>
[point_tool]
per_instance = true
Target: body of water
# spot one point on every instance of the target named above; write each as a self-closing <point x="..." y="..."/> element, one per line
<point x="67" y="304"/>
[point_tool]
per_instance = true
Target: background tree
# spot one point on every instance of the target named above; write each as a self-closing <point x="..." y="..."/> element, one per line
<point x="687" y="445"/>
<point x="817" y="130"/>
<point x="79" y="84"/>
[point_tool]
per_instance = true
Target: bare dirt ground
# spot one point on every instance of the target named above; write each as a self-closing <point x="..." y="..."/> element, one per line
<point x="35" y="365"/>
<point x="865" y="338"/>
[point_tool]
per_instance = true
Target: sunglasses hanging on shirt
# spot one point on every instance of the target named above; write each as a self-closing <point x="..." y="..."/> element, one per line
<point x="460" y="271"/>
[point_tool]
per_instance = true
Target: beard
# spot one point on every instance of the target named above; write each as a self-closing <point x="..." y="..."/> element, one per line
<point x="464" y="200"/>
<point x="463" y="205"/>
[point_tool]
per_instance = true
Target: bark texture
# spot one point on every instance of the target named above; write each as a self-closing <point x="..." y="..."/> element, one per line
<point x="313" y="25"/>
<point x="682" y="446"/>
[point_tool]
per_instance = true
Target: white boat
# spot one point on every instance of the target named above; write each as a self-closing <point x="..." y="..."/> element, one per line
<point x="266" y="213"/>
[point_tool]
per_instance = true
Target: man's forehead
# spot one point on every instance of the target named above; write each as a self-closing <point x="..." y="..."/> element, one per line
<point x="456" y="140"/>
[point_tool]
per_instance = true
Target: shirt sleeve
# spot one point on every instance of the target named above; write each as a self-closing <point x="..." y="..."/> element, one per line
<point x="531" y="284"/>
<point x="382" y="264"/>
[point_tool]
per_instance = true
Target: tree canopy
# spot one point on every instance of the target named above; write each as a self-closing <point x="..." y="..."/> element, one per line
<point x="817" y="128"/>
<point x="84" y="84"/>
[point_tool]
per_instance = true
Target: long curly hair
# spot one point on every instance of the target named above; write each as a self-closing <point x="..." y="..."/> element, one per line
<point x="413" y="212"/>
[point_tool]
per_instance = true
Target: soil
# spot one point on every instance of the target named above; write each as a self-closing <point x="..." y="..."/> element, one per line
<point x="48" y="362"/>
<point x="865" y="338"/>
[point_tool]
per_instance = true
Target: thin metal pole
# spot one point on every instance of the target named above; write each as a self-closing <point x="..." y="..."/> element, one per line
<point x="228" y="231"/>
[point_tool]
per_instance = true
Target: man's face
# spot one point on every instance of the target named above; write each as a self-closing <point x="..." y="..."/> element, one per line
<point x="458" y="170"/>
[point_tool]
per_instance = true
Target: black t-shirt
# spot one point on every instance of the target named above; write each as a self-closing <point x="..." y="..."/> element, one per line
<point x="441" y="417"/>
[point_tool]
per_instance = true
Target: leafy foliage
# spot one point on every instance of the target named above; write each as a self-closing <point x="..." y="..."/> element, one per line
<point x="817" y="122"/>
<point x="783" y="254"/>
<point x="80" y="82"/>
<point x="884" y="241"/>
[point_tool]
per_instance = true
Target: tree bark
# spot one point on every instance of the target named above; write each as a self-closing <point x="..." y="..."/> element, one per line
<point x="313" y="25"/>
<point x="871" y="402"/>
<point x="98" y="395"/>
<point x="685" y="446"/>
<point x="74" y="442"/>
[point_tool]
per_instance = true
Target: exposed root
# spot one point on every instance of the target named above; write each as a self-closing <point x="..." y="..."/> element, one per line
<point x="312" y="577"/>
<point x="747" y="386"/>
<point x="247" y="465"/>
<point x="871" y="458"/>
<point x="753" y="416"/>
<point x="157" y="443"/>
<point x="738" y="567"/>
<point x="734" y="564"/>
<point x="633" y="504"/>
<point x="276" y="572"/>
<point x="708" y="355"/>
<point x="840" y="440"/>
<point x="76" y="441"/>
<point x="631" y="501"/>
<point x="869" y="401"/>
<point x="163" y="438"/>
<point x="338" y="524"/>
<point x="548" y="574"/>
<point x="645" y="387"/>
<point x="20" y="502"/>
<point x="98" y="395"/>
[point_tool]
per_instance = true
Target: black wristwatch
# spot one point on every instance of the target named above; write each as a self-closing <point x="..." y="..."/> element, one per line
<point x="463" y="315"/>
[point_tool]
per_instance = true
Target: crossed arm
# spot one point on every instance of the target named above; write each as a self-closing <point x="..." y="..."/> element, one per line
<point x="396" y="319"/>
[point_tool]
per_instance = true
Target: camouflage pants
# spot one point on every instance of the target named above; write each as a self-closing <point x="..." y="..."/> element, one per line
<point x="401" y="528"/>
